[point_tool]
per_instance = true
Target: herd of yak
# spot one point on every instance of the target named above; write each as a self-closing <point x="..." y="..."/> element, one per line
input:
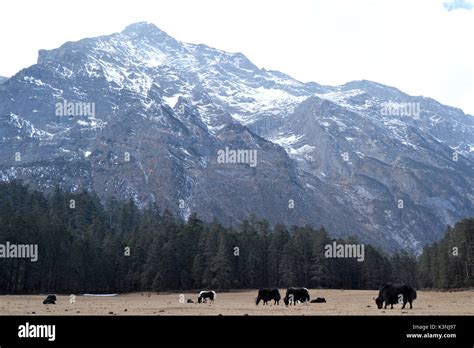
<point x="389" y="294"/>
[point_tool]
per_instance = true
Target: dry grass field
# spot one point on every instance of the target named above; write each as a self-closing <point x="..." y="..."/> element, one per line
<point x="339" y="302"/>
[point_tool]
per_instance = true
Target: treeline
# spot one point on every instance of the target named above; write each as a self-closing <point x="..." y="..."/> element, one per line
<point x="87" y="246"/>
<point x="449" y="263"/>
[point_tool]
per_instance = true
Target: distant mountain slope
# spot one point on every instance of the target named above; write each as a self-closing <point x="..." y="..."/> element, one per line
<point x="164" y="109"/>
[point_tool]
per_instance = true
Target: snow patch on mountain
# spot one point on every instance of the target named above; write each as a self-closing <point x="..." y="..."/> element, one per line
<point x="27" y="127"/>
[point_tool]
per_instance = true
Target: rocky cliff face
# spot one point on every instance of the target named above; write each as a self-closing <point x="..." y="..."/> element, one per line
<point x="138" y="115"/>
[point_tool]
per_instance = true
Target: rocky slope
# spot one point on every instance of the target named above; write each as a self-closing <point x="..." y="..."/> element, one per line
<point x="161" y="110"/>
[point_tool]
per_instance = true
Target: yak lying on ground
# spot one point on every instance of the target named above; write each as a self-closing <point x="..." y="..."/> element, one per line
<point x="204" y="295"/>
<point x="50" y="299"/>
<point x="319" y="300"/>
<point x="296" y="294"/>
<point x="266" y="295"/>
<point x="395" y="293"/>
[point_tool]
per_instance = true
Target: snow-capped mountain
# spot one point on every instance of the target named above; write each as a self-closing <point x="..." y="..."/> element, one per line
<point x="139" y="115"/>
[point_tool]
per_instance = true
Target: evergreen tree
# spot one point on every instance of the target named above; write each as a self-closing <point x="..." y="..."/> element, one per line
<point x="221" y="265"/>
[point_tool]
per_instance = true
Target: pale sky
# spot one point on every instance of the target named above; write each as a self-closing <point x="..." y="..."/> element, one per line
<point x="423" y="47"/>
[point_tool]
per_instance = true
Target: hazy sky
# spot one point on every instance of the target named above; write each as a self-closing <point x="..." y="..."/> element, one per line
<point x="423" y="47"/>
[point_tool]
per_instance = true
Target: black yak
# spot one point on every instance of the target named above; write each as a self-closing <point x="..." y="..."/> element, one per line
<point x="296" y="294"/>
<point x="266" y="295"/>
<point x="319" y="300"/>
<point x="391" y="294"/>
<point x="50" y="299"/>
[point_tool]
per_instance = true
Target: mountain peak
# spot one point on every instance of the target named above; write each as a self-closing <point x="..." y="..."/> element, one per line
<point x="149" y="31"/>
<point x="361" y="84"/>
<point x="373" y="88"/>
<point x="142" y="28"/>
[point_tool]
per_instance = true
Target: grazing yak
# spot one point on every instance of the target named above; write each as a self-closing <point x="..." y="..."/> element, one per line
<point x="266" y="295"/>
<point x="204" y="295"/>
<point x="296" y="294"/>
<point x="50" y="299"/>
<point x="395" y="293"/>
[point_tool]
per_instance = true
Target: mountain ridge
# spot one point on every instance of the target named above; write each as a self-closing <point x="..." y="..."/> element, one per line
<point x="172" y="106"/>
